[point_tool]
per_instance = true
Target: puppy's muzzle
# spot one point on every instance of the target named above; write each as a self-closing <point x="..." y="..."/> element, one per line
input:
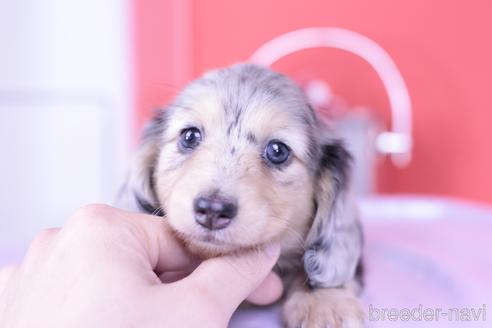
<point x="214" y="212"/>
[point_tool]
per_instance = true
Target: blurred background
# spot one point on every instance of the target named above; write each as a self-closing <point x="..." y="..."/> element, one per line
<point x="407" y="83"/>
<point x="440" y="47"/>
<point x="78" y="80"/>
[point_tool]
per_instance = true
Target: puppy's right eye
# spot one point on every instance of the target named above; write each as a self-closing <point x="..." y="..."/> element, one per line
<point x="276" y="152"/>
<point x="190" y="138"/>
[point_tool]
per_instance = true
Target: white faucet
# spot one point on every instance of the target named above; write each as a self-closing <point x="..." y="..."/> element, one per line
<point x="396" y="142"/>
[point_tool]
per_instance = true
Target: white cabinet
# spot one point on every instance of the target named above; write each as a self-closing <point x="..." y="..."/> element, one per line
<point x="65" y="110"/>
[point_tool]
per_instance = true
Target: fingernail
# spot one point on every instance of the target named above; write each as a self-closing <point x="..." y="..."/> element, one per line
<point x="272" y="250"/>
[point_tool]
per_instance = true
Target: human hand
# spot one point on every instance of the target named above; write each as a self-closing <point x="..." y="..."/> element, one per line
<point x="102" y="270"/>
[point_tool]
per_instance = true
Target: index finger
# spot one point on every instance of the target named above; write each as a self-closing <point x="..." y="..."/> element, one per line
<point x="126" y="232"/>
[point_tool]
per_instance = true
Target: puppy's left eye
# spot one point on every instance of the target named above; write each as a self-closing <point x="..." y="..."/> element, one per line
<point x="276" y="152"/>
<point x="190" y="138"/>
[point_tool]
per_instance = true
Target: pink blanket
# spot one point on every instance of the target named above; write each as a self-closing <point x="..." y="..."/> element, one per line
<point x="428" y="264"/>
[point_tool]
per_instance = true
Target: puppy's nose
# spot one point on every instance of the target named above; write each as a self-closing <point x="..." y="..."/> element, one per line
<point x="214" y="212"/>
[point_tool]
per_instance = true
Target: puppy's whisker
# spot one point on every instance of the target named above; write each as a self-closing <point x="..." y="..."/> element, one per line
<point x="159" y="210"/>
<point x="179" y="106"/>
<point x="299" y="239"/>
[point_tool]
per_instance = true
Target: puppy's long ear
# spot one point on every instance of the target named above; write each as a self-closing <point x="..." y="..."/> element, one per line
<point x="334" y="242"/>
<point x="139" y="191"/>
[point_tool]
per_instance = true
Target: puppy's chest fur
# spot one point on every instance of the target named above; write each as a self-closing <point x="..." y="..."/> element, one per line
<point x="289" y="266"/>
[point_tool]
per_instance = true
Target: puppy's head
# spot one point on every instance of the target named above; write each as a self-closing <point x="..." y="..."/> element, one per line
<point x="240" y="159"/>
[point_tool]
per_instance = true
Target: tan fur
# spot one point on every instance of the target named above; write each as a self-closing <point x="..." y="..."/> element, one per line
<point x="323" y="307"/>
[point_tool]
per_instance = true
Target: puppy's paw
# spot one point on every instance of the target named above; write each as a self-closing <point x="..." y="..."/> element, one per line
<point x="323" y="308"/>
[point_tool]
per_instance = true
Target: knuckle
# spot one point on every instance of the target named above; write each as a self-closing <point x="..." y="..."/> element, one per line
<point x="204" y="297"/>
<point x="41" y="242"/>
<point x="91" y="220"/>
<point x="204" y="293"/>
<point x="90" y="214"/>
<point x="201" y="290"/>
<point x="207" y="293"/>
<point x="44" y="235"/>
<point x="43" y="238"/>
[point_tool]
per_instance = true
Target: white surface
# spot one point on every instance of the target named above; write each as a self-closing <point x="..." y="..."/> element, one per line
<point x="411" y="207"/>
<point x="65" y="108"/>
<point x="54" y="161"/>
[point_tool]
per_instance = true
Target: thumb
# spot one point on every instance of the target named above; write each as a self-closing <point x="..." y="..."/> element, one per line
<point x="229" y="280"/>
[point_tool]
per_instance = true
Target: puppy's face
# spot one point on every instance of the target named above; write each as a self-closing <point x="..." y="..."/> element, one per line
<point x="234" y="166"/>
<point x="240" y="159"/>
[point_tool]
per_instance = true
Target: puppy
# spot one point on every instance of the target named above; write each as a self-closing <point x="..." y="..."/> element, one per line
<point x="240" y="159"/>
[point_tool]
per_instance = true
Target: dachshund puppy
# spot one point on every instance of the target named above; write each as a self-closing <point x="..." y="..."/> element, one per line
<point x="240" y="159"/>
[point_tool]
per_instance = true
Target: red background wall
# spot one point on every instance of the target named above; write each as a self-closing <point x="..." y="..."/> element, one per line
<point x="442" y="48"/>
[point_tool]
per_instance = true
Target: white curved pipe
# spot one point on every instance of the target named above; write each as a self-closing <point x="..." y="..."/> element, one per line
<point x="397" y="142"/>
